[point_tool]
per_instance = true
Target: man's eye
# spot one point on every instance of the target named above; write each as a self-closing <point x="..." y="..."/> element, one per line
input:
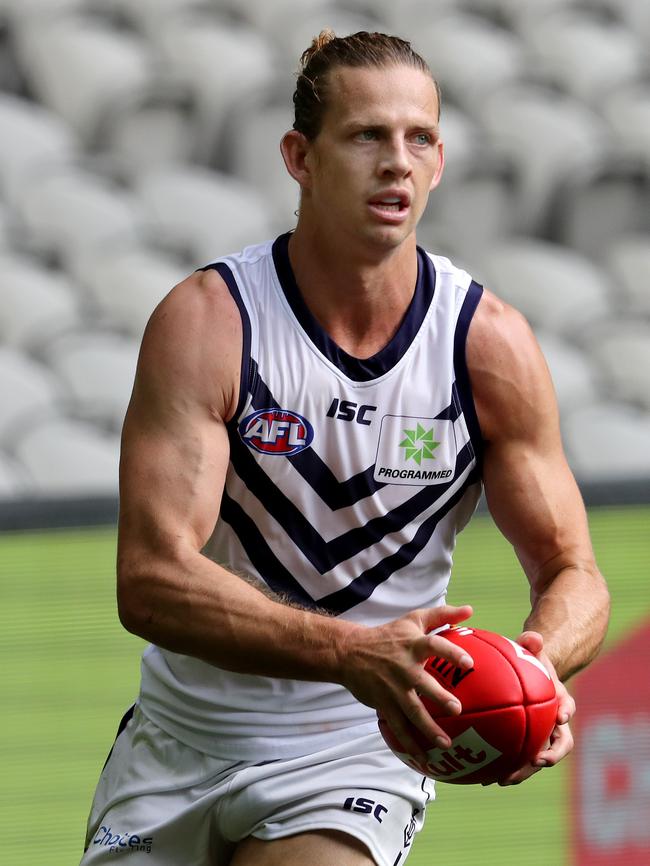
<point x="422" y="138"/>
<point x="368" y="135"/>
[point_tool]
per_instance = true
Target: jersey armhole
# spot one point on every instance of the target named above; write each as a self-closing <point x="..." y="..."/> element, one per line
<point x="463" y="383"/>
<point x="245" y="375"/>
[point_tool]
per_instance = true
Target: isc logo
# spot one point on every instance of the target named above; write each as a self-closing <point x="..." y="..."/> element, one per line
<point x="276" y="431"/>
<point x="365" y="806"/>
<point x="347" y="410"/>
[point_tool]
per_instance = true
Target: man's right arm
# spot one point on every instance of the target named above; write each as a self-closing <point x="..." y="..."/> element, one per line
<point x="172" y="473"/>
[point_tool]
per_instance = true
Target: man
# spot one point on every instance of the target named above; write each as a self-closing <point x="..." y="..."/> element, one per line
<point x="309" y="427"/>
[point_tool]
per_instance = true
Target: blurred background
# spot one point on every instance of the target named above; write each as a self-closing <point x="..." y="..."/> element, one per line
<point x="138" y="141"/>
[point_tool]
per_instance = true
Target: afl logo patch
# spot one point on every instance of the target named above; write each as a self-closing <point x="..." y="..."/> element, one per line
<point x="276" y="431"/>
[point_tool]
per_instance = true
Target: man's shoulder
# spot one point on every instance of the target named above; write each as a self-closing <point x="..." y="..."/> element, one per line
<point x="247" y="255"/>
<point x="510" y="379"/>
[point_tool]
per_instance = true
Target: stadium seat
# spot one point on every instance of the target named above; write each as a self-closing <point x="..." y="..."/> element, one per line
<point x="470" y="57"/>
<point x="461" y="138"/>
<point x="37" y="303"/>
<point x="202" y="214"/>
<point x="69" y="209"/>
<point x="470" y="214"/>
<point x="126" y="283"/>
<point x="28" y="390"/>
<point x="555" y="288"/>
<point x="293" y="32"/>
<point x="407" y="17"/>
<point x="96" y="370"/>
<point x="549" y="138"/>
<point x="272" y="18"/>
<point x="252" y="153"/>
<point x="574" y="377"/>
<point x="628" y="114"/>
<point x="16" y="10"/>
<point x="14" y="481"/>
<point x="6" y="230"/>
<point x="149" y="16"/>
<point x="69" y="458"/>
<point x="38" y="139"/>
<point x="621" y="351"/>
<point x="628" y="261"/>
<point x="515" y="13"/>
<point x="608" y="441"/>
<point x="217" y="62"/>
<point x="635" y="14"/>
<point x="584" y="55"/>
<point x="156" y="133"/>
<point x="81" y="68"/>
<point x="589" y="214"/>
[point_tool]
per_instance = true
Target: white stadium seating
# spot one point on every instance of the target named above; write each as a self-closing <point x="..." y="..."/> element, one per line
<point x="67" y="209"/>
<point x="69" y="458"/>
<point x="555" y="288"/>
<point x="81" y="68"/>
<point x="585" y="56"/>
<point x="28" y="391"/>
<point x="202" y="213"/>
<point x="608" y="441"/>
<point x="97" y="371"/>
<point x="621" y="352"/>
<point x="37" y="303"/>
<point x="471" y="56"/>
<point x="252" y="143"/>
<point x="549" y="138"/>
<point x="217" y="62"/>
<point x="628" y="260"/>
<point x="39" y="139"/>
<point x="125" y="283"/>
<point x="574" y="377"/>
<point x="627" y="112"/>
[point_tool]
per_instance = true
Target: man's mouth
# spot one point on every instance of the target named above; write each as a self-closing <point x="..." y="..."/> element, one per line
<point x="389" y="204"/>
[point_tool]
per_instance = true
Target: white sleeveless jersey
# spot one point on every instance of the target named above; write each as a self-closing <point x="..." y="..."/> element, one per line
<point x="347" y="484"/>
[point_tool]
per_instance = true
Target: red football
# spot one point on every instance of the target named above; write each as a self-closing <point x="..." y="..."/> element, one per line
<point x="509" y="710"/>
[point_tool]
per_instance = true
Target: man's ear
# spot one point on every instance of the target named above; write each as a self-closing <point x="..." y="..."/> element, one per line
<point x="294" y="148"/>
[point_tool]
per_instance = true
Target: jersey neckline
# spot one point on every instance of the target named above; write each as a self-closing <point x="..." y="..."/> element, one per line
<point x="357" y="369"/>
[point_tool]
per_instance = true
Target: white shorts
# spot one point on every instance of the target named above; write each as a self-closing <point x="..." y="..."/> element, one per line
<point x="161" y="802"/>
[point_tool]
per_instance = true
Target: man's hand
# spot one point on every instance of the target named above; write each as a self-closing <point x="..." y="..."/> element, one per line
<point x="561" y="741"/>
<point x="383" y="667"/>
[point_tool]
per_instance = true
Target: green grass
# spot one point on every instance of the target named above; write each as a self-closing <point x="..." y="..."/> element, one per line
<point x="70" y="671"/>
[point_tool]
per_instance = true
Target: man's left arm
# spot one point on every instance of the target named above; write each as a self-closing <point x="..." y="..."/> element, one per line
<point x="534" y="500"/>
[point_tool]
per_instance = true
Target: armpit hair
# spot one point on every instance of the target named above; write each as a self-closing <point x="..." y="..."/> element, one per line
<point x="280" y="597"/>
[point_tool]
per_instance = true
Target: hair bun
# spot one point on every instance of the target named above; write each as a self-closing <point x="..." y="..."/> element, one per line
<point x="317" y="44"/>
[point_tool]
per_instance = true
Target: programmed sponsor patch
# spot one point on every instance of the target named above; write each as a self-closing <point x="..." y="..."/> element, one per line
<point x="415" y="450"/>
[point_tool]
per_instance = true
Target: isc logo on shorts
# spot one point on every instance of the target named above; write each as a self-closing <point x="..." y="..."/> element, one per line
<point x="276" y="431"/>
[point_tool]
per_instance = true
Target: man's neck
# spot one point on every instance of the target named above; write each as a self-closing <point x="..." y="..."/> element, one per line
<point x="359" y="297"/>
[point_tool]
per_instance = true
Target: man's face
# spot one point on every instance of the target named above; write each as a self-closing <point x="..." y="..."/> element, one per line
<point x="377" y="156"/>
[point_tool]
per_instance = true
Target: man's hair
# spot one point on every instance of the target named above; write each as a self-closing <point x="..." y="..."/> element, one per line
<point x="328" y="51"/>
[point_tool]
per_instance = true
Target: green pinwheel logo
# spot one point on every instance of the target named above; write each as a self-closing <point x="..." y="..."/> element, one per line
<point x="419" y="444"/>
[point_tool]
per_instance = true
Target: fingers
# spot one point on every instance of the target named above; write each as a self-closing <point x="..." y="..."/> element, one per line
<point x="532" y="641"/>
<point x="437" y="645"/>
<point x="566" y="706"/>
<point x="410" y="717"/>
<point x="446" y="614"/>
<point x="561" y="743"/>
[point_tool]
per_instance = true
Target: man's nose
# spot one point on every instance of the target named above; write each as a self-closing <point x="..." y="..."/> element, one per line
<point x="395" y="158"/>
